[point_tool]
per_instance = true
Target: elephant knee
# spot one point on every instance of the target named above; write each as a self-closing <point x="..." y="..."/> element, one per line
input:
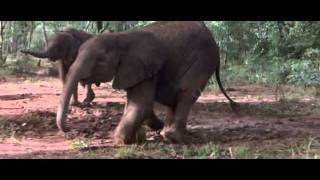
<point x="190" y="95"/>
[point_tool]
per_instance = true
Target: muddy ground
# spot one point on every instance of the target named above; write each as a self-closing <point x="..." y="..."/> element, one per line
<point x="28" y="130"/>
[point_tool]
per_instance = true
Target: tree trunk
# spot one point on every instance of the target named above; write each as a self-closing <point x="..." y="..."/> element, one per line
<point x="31" y="34"/>
<point x="25" y="32"/>
<point x="318" y="91"/>
<point x="2" y="26"/>
<point x="1" y="41"/>
<point x="88" y="25"/>
<point x="119" y="26"/>
<point x="223" y="57"/>
<point x="99" y="25"/>
<point x="280" y="29"/>
<point x="44" y="32"/>
<point x="45" y="38"/>
<point x="281" y="37"/>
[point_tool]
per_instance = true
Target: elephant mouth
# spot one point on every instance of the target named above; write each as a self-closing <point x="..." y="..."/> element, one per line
<point x="53" y="59"/>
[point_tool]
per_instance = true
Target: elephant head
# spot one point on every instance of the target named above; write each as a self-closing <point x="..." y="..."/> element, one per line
<point x="63" y="45"/>
<point x="128" y="58"/>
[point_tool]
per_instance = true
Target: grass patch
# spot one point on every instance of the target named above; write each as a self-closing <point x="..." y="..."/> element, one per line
<point x="79" y="144"/>
<point x="307" y="150"/>
<point x="13" y="139"/>
<point x="297" y="93"/>
<point x="243" y="152"/>
<point x="207" y="151"/>
<point x="6" y="129"/>
<point x="23" y="67"/>
<point x="90" y="155"/>
<point x="168" y="149"/>
<point x="129" y="152"/>
<point x="301" y="149"/>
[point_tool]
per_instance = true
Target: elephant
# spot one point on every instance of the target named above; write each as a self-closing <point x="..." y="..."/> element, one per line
<point x="64" y="46"/>
<point x="166" y="62"/>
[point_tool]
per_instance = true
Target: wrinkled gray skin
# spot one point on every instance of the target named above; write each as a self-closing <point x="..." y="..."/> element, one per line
<point x="165" y="62"/>
<point x="64" y="46"/>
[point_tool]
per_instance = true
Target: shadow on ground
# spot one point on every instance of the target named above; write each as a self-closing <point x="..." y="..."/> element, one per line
<point x="210" y="121"/>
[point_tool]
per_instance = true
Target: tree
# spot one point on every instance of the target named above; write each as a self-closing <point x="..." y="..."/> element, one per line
<point x="44" y="32"/>
<point x="31" y="33"/>
<point x="2" y="27"/>
<point x="45" y="38"/>
<point x="99" y="26"/>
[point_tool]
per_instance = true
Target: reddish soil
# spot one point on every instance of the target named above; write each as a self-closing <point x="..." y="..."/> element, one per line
<point x="28" y="109"/>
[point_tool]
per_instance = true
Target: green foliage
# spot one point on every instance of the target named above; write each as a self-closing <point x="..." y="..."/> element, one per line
<point x="305" y="73"/>
<point x="206" y="151"/>
<point x="79" y="144"/>
<point x="209" y="150"/>
<point x="243" y="152"/>
<point x="129" y="152"/>
<point x="277" y="52"/>
<point x="18" y="66"/>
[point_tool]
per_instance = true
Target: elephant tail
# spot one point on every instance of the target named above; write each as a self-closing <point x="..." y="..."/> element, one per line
<point x="234" y="106"/>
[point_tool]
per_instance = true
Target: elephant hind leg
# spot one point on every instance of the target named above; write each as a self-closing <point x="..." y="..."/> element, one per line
<point x="89" y="95"/>
<point x="176" y="123"/>
<point x="191" y="85"/>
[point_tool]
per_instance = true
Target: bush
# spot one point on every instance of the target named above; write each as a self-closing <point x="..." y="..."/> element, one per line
<point x="305" y="73"/>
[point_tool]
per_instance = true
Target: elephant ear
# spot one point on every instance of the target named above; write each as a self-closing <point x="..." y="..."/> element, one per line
<point x="138" y="65"/>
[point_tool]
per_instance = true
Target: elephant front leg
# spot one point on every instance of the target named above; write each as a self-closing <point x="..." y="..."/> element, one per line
<point x="138" y="108"/>
<point x="74" y="101"/>
<point x="63" y="69"/>
<point x="129" y="129"/>
<point x="89" y="95"/>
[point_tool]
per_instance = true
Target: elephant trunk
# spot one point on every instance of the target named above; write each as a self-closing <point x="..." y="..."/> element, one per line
<point x="36" y="54"/>
<point x="69" y="87"/>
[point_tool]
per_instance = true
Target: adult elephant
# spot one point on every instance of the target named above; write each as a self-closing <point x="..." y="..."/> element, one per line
<point x="64" y="46"/>
<point x="166" y="62"/>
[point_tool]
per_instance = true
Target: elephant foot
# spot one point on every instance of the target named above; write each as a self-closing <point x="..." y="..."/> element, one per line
<point x="86" y="104"/>
<point x="69" y="135"/>
<point x="174" y="135"/>
<point x="124" y="138"/>
<point x="88" y="100"/>
<point x="75" y="103"/>
<point x="64" y="131"/>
